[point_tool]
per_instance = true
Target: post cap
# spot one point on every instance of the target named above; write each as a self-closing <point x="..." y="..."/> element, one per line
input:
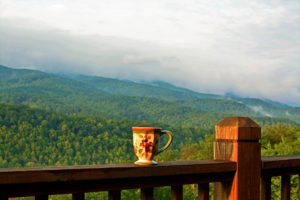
<point x="237" y="128"/>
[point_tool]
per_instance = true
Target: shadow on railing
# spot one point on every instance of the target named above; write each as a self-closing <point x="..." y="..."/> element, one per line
<point x="237" y="171"/>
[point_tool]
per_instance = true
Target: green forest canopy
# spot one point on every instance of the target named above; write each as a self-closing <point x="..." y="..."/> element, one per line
<point x="50" y="120"/>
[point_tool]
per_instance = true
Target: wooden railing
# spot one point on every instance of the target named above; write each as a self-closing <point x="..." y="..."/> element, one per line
<point x="279" y="166"/>
<point x="112" y="178"/>
<point x="237" y="170"/>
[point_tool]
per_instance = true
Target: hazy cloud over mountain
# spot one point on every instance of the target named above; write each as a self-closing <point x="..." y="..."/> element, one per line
<point x="250" y="48"/>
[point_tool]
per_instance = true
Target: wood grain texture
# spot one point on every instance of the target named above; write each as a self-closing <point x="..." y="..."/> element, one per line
<point x="236" y="139"/>
<point x="237" y="128"/>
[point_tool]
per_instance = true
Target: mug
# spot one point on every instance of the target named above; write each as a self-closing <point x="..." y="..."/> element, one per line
<point x="146" y="141"/>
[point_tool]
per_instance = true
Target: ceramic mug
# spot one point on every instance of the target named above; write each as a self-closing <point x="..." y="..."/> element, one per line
<point x="146" y="141"/>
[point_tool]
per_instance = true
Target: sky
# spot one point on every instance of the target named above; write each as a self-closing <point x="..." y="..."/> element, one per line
<point x="248" y="48"/>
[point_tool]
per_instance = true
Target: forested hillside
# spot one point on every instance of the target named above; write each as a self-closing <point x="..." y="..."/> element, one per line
<point x="155" y="89"/>
<point x="119" y="100"/>
<point x="48" y="119"/>
<point x="33" y="137"/>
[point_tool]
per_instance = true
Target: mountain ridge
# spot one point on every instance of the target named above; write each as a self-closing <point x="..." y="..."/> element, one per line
<point x="118" y="99"/>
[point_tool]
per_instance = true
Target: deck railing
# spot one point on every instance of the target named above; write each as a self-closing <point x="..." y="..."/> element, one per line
<point x="237" y="170"/>
<point x="113" y="178"/>
<point x="279" y="166"/>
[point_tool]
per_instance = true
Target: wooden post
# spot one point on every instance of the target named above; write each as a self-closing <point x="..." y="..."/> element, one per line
<point x="237" y="139"/>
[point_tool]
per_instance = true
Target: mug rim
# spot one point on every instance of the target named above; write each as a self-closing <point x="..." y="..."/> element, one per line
<point x="137" y="128"/>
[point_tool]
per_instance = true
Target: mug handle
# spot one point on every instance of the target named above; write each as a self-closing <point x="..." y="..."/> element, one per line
<point x="169" y="134"/>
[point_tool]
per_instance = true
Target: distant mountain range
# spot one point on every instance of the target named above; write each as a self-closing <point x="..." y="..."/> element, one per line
<point x="120" y="100"/>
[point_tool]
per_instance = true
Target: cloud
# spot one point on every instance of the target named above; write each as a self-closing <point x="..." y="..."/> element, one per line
<point x="250" y="48"/>
<point x="259" y="109"/>
<point x="61" y="51"/>
<point x="135" y="59"/>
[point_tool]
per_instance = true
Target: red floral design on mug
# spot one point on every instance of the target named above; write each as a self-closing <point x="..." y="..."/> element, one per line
<point x="147" y="144"/>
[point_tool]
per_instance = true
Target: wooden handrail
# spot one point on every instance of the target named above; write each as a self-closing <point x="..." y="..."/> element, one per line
<point x="280" y="165"/>
<point x="60" y="180"/>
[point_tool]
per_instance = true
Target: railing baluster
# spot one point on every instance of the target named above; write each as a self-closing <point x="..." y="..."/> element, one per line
<point x="78" y="196"/>
<point x="41" y="197"/>
<point x="298" y="186"/>
<point x="203" y="191"/>
<point x="285" y="187"/>
<point x="146" y="193"/>
<point x="114" y="194"/>
<point x="265" y="188"/>
<point x="176" y="192"/>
